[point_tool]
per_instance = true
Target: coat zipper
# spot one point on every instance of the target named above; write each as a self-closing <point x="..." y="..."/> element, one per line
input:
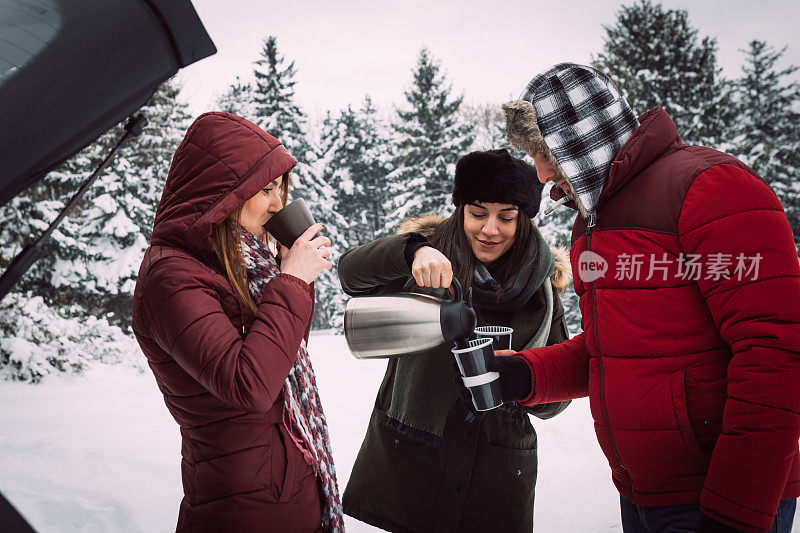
<point x="590" y="225"/>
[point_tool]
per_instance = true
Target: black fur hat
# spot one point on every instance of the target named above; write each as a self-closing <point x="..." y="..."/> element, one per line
<point x="495" y="176"/>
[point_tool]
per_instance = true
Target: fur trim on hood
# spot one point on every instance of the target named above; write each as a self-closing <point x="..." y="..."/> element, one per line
<point x="523" y="133"/>
<point x="425" y="224"/>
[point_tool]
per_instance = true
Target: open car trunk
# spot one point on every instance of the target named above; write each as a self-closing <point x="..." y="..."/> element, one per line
<point x="72" y="69"/>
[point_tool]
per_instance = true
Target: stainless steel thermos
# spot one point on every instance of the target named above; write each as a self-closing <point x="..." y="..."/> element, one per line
<point x="406" y="324"/>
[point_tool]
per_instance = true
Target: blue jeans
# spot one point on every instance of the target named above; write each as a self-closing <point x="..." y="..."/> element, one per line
<point x="685" y="518"/>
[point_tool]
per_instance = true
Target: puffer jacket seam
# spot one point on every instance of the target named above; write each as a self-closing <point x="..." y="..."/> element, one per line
<point x="279" y="306"/>
<point x="644" y="288"/>
<point x="633" y="228"/>
<point x="735" y="503"/>
<point x="240" y="401"/>
<point x="208" y="459"/>
<point x="736" y="524"/>
<point x="289" y="356"/>
<point x="706" y="165"/>
<point x="751" y="282"/>
<point x="657" y="430"/>
<point x="165" y="362"/>
<point x="728" y="215"/>
<point x="206" y="502"/>
<point x="190" y="324"/>
<point x="670" y="355"/>
<point x="600" y="229"/>
<point x="201" y="426"/>
<point x="220" y="160"/>
<point x="149" y="289"/>
<point x="694" y="180"/>
<point x="193" y="510"/>
<point x="229" y="191"/>
<point x="182" y="255"/>
<point x="187" y="396"/>
<point x="763" y="405"/>
<point x="655" y="492"/>
<point x="301" y="284"/>
<point x="248" y="126"/>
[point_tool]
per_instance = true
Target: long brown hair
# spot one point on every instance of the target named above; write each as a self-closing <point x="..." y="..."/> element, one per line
<point x="450" y="239"/>
<point x="227" y="238"/>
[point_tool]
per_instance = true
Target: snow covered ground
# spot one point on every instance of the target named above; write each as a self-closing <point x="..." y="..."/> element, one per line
<point x="100" y="453"/>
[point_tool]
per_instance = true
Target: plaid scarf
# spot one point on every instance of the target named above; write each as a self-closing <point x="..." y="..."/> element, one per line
<point x="302" y="410"/>
<point x="584" y="121"/>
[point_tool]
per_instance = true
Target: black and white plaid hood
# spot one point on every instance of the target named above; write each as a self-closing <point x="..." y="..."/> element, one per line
<point x="577" y="118"/>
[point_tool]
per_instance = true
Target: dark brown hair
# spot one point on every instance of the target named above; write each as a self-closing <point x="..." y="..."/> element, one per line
<point x="227" y="238"/>
<point x="450" y="239"/>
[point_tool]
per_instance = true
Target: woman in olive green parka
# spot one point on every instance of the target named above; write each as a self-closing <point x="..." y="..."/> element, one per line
<point x="429" y="461"/>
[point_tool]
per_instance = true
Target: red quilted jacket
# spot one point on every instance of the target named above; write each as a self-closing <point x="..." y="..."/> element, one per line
<point x="693" y="376"/>
<point x="220" y="366"/>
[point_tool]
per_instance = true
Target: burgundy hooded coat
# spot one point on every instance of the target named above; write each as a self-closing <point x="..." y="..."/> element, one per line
<point x="693" y="381"/>
<point x="220" y="366"/>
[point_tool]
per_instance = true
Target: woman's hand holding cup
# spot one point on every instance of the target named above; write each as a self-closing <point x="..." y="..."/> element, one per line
<point x="431" y="268"/>
<point x="308" y="256"/>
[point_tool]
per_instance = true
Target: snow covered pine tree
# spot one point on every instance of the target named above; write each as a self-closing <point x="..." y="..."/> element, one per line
<point x="768" y="125"/>
<point x="80" y="290"/>
<point x="360" y="164"/>
<point x="238" y="99"/>
<point x="429" y="137"/>
<point x="654" y="57"/>
<point x="276" y="111"/>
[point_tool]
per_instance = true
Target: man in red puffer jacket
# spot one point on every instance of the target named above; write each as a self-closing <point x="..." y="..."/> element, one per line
<point x="689" y="288"/>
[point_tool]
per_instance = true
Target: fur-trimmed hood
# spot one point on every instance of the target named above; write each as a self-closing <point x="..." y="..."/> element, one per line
<point x="425" y="224"/>
<point x="575" y="117"/>
<point x="524" y="134"/>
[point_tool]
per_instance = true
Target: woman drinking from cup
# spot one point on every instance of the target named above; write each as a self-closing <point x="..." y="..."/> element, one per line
<point x="429" y="461"/>
<point x="224" y="325"/>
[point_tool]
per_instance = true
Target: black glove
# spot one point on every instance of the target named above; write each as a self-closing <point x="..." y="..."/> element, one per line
<point x="709" y="525"/>
<point x="515" y="376"/>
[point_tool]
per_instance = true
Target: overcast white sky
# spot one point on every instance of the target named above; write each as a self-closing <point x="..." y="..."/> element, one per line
<point x="490" y="49"/>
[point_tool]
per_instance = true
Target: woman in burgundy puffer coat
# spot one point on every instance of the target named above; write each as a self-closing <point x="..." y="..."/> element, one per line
<point x="224" y="328"/>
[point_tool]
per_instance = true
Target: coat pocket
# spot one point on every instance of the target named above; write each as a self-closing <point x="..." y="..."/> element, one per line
<point x="501" y="490"/>
<point x="678" y="390"/>
<point x="395" y="479"/>
<point x="283" y="467"/>
<point x="512" y="455"/>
